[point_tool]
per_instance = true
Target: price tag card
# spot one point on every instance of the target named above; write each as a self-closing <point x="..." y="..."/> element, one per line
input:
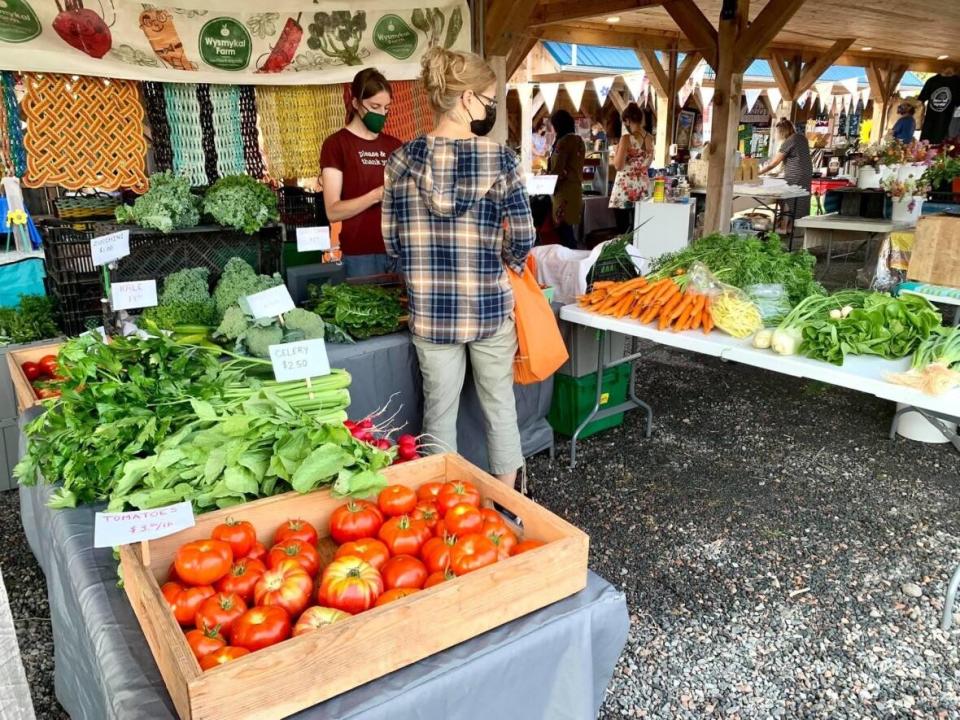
<point x="270" y="303"/>
<point x="541" y="184"/>
<point x="310" y="239"/>
<point x="300" y="360"/>
<point x="107" y="248"/>
<point x="122" y="528"/>
<point x="130" y="295"/>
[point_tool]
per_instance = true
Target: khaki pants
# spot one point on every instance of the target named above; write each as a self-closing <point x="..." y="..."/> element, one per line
<point x="444" y="367"/>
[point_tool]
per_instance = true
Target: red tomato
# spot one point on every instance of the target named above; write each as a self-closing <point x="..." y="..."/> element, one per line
<point x="462" y="519"/>
<point x="369" y="550"/>
<point x="404" y="536"/>
<point x="31" y="370"/>
<point x="221" y="656"/>
<point x="404" y="571"/>
<point x="242" y="578"/>
<point x="439" y="577"/>
<point x="454" y="493"/>
<point x="355" y="520"/>
<point x="522" y="547"/>
<point x="472" y="552"/>
<point x="287" y="585"/>
<point x="316" y="617"/>
<point x="397" y="500"/>
<point x="203" y="642"/>
<point x="185" y="601"/>
<point x="349" y="584"/>
<point x="48" y="365"/>
<point x="220" y="611"/>
<point x="238" y="534"/>
<point x="436" y="553"/>
<point x="296" y="530"/>
<point x="203" y="562"/>
<point x="172" y="576"/>
<point x="304" y="554"/>
<point x="261" y="627"/>
<point x="504" y="539"/>
<point x="395" y="594"/>
<point x="258" y="552"/>
<point x="427" y="513"/>
<point x="492" y="518"/>
<point x="428" y="491"/>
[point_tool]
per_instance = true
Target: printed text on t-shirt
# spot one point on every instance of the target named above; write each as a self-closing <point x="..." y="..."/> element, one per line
<point x="372" y="157"/>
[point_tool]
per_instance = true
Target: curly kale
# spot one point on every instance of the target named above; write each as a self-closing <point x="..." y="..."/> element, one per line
<point x="240" y="202"/>
<point x="337" y="35"/>
<point x="166" y="206"/>
<point x="237" y="281"/>
<point x="185" y="300"/>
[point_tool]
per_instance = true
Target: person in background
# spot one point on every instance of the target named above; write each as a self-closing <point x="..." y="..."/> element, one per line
<point x="906" y="124"/>
<point x="599" y="136"/>
<point x="566" y="163"/>
<point x="353" y="160"/>
<point x="632" y="160"/>
<point x="456" y="215"/>
<point x="794" y="154"/>
<point x="542" y="142"/>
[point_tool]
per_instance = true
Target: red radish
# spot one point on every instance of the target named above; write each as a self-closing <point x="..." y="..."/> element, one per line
<point x="83" y="29"/>
<point x="365" y="424"/>
<point x="382" y="444"/>
<point x="349" y="425"/>
<point x="407" y="452"/>
<point x="366" y="436"/>
<point x="407" y="440"/>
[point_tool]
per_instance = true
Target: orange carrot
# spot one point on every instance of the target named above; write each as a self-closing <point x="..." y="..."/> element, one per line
<point x="685" y="306"/>
<point x="665" y="313"/>
<point x="696" y="319"/>
<point x="623" y="306"/>
<point x="650" y="313"/>
<point x="707" y="322"/>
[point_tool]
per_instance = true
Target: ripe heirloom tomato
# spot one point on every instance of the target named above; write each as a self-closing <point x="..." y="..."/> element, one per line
<point x="427" y="513"/>
<point x="369" y="550"/>
<point x="305" y="555"/>
<point x="354" y="520"/>
<point x="261" y="627"/>
<point x="203" y="562"/>
<point x="205" y="641"/>
<point x="48" y="365"/>
<point x="396" y="500"/>
<point x="439" y="577"/>
<point x="504" y="539"/>
<point x="404" y="571"/>
<point x="436" y="552"/>
<point x="454" y="493"/>
<point x="462" y="519"/>
<point x="242" y="578"/>
<point x="221" y="656"/>
<point x="238" y="534"/>
<point x="522" y="547"/>
<point x="404" y="536"/>
<point x="349" y="584"/>
<point x="31" y="370"/>
<point x="395" y="594"/>
<point x="220" y="611"/>
<point x="258" y="552"/>
<point x="491" y="519"/>
<point x="185" y="601"/>
<point x="296" y="530"/>
<point x="472" y="552"/>
<point x="287" y="585"/>
<point x="428" y="491"/>
<point x="172" y="576"/>
<point x="316" y="617"/>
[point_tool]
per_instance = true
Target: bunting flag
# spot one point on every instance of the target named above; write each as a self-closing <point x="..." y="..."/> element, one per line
<point x="804" y="98"/>
<point x="603" y="86"/>
<point x="865" y="94"/>
<point x="684" y="92"/>
<point x="706" y="97"/>
<point x="635" y="83"/>
<point x="751" y="95"/>
<point x="575" y="91"/>
<point x="549" y="92"/>
<point x="825" y="93"/>
<point x="774" y="96"/>
<point x="850" y="85"/>
<point x="698" y="72"/>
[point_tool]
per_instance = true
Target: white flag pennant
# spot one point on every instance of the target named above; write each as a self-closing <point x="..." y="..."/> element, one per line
<point x="802" y="100"/>
<point x="549" y="92"/>
<point x="635" y="84"/>
<point x="865" y="95"/>
<point x="684" y="92"/>
<point x="706" y="96"/>
<point x="774" y="96"/>
<point x="523" y="90"/>
<point x="751" y="95"/>
<point x="850" y="85"/>
<point x="825" y="92"/>
<point x="575" y="91"/>
<point x="698" y="72"/>
<point x="603" y="85"/>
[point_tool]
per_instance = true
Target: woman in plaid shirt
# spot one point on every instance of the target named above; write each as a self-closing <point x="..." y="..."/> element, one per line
<point x="455" y="213"/>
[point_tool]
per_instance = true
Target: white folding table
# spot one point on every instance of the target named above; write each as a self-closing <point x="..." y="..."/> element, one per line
<point x="874" y="228"/>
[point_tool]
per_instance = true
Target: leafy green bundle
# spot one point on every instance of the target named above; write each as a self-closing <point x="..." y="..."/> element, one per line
<point x="361" y="311"/>
<point x="31" y="320"/>
<point x="239" y="280"/>
<point x="185" y="300"/>
<point x="168" y="205"/>
<point x="240" y="202"/>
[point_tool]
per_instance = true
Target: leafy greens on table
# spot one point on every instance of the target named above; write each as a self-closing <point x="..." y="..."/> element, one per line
<point x="361" y="311"/>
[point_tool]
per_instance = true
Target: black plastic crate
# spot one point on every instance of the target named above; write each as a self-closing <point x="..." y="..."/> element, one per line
<point x="299" y="208"/>
<point x="855" y="202"/>
<point x="78" y="303"/>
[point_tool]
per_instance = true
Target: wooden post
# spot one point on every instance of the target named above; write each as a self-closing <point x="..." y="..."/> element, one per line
<point x="499" y="65"/>
<point x="664" y="81"/>
<point x="526" y="127"/>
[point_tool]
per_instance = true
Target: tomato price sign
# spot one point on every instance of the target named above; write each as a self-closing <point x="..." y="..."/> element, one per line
<point x="270" y="303"/>
<point x="108" y="248"/>
<point x="122" y="528"/>
<point x="310" y="239"/>
<point x="300" y="360"/>
<point x="131" y="295"/>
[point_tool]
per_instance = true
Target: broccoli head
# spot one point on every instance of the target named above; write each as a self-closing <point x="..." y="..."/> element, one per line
<point x="234" y="324"/>
<point x="302" y="324"/>
<point x="238" y="280"/>
<point x="259" y="339"/>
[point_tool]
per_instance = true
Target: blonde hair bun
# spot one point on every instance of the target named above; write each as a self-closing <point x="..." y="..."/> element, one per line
<point x="447" y="74"/>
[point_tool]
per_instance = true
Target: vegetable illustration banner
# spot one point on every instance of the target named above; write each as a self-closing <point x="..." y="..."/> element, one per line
<point x="299" y="43"/>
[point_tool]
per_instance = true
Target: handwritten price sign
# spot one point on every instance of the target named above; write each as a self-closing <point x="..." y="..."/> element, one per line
<point x="122" y="528"/>
<point x="541" y="184"/>
<point x="130" y="295"/>
<point x="310" y="239"/>
<point x="300" y="360"/>
<point x="107" y="248"/>
<point x="270" y="303"/>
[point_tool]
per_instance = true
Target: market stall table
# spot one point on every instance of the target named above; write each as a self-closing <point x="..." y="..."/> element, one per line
<point x="824" y="227"/>
<point x="768" y="195"/>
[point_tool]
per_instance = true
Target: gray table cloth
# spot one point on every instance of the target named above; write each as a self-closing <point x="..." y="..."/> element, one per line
<point x="553" y="664"/>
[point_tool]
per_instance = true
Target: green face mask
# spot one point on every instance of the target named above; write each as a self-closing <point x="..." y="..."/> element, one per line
<point x="374" y="122"/>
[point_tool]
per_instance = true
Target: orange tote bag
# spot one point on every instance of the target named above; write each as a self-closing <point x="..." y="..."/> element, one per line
<point x="540" y="348"/>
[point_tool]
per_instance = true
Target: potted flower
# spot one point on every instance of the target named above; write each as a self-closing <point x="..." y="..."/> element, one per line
<point x="943" y="173"/>
<point x="871" y="166"/>
<point x="906" y="197"/>
<point x="916" y="157"/>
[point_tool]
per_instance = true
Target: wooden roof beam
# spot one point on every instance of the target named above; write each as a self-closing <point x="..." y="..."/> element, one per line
<point x="655" y="71"/>
<point x="765" y="27"/>
<point x="518" y="53"/>
<point x="586" y="35"/>
<point x="570" y="10"/>
<point x="812" y="71"/>
<point x="781" y="75"/>
<point x="694" y="24"/>
<point x="687" y="67"/>
<point x="507" y="23"/>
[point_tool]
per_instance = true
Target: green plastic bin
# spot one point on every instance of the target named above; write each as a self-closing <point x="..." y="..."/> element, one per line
<point x="574" y="397"/>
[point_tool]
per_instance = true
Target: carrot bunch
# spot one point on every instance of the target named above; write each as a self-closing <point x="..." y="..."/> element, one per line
<point x="663" y="301"/>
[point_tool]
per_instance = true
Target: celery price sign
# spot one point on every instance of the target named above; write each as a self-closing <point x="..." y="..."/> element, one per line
<point x="300" y="360"/>
<point x="225" y="44"/>
<point x="108" y="248"/>
<point x="131" y="295"/>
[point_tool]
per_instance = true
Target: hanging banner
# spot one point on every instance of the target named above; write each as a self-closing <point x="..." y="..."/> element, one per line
<point x="635" y="84"/>
<point x="575" y="91"/>
<point x="825" y="93"/>
<point x="751" y="95"/>
<point x="298" y="43"/>
<point x="774" y="96"/>
<point x="549" y="92"/>
<point x="850" y="85"/>
<point x="603" y="86"/>
<point x="865" y="96"/>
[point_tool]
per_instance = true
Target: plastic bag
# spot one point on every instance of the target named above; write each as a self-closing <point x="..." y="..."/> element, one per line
<point x="771" y="300"/>
<point x="731" y="309"/>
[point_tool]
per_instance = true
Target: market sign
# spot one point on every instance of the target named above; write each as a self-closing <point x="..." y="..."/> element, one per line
<point x="298" y="43"/>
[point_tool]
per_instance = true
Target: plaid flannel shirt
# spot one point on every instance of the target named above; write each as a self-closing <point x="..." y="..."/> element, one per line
<point x="454" y="212"/>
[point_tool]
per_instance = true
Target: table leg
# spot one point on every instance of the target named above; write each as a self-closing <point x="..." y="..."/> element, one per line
<point x="949" y="600"/>
<point x="601" y="338"/>
<point x="935" y="419"/>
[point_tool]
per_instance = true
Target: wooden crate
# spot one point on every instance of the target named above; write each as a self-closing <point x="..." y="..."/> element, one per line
<point x="305" y="670"/>
<point x="26" y="397"/>
<point x="935" y="258"/>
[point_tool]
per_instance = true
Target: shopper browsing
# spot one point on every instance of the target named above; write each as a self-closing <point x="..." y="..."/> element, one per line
<point x="566" y="162"/>
<point x="353" y="160"/>
<point x="455" y="213"/>
<point x="632" y="160"/>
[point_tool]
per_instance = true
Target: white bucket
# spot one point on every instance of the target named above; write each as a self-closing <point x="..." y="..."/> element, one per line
<point x="914" y="426"/>
<point x="908" y="170"/>
<point x="868" y="178"/>
<point x="902" y="212"/>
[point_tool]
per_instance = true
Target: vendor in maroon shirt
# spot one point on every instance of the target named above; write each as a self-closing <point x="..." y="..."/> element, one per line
<point x="353" y="160"/>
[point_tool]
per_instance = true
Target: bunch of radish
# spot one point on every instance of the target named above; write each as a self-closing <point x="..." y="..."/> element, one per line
<point x="365" y="431"/>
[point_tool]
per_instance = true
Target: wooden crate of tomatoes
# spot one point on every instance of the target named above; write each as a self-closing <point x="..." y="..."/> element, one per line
<point x="312" y="595"/>
<point x="33" y="371"/>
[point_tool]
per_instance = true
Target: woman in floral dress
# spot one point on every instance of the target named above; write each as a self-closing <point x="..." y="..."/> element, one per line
<point x="632" y="159"/>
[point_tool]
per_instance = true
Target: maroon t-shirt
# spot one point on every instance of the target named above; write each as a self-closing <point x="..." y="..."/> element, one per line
<point x="361" y="162"/>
